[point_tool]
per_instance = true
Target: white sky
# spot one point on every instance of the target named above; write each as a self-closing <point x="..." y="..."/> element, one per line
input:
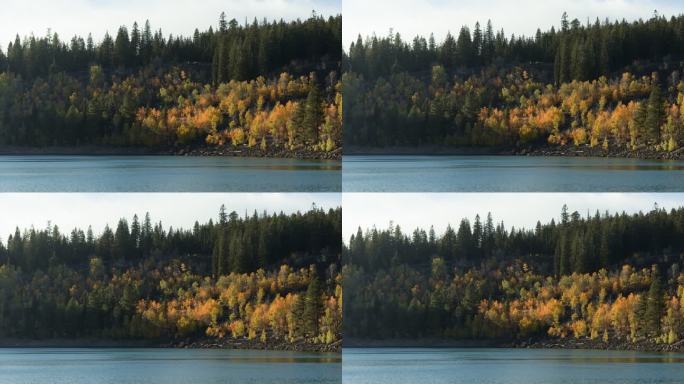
<point x="409" y="210"/>
<point x="414" y="17"/>
<point x="70" y="210"/>
<point x="78" y="17"/>
<point x="420" y="210"/>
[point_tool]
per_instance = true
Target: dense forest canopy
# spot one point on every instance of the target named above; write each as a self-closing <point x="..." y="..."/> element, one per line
<point x="263" y="84"/>
<point x="612" y="277"/>
<point x="622" y="80"/>
<point x="269" y="276"/>
<point x="572" y="244"/>
<point x="232" y="51"/>
<point x="578" y="51"/>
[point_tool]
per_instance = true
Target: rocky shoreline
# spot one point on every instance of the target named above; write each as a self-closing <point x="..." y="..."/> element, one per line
<point x="228" y="343"/>
<point x="642" y="152"/>
<point x="202" y="343"/>
<point x="257" y="152"/>
<point x="426" y="150"/>
<point x="598" y="344"/>
<point x="548" y="343"/>
<point x="336" y="347"/>
<point x="300" y="154"/>
<point x="424" y="343"/>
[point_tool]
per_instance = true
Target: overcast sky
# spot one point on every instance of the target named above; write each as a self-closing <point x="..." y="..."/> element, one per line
<point x="420" y="210"/>
<point x="78" y="17"/>
<point x="413" y="17"/>
<point x="70" y="210"/>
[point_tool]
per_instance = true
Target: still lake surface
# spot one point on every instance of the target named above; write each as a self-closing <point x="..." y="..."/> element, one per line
<point x="165" y="366"/>
<point x="65" y="173"/>
<point x="508" y="366"/>
<point x="509" y="174"/>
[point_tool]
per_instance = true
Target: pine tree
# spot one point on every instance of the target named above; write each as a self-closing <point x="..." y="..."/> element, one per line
<point x="223" y="25"/>
<point x="563" y="250"/>
<point x="557" y="76"/>
<point x="604" y="250"/>
<point x="90" y="46"/>
<point x="222" y="246"/>
<point x="447" y="52"/>
<point x="477" y="233"/>
<point x="218" y="256"/>
<point x="471" y="298"/>
<point x="224" y="69"/>
<point x="604" y="58"/>
<point x="564" y="60"/>
<point x="196" y="37"/>
<point x="640" y="314"/>
<point x="579" y="62"/>
<point x="564" y="214"/>
<point x="299" y="305"/>
<point x="223" y="217"/>
<point x="488" y="44"/>
<point x="236" y="61"/>
<point x="122" y="47"/>
<point x="122" y="241"/>
<point x="15" y="56"/>
<point x="464" y="47"/>
<point x="655" y="114"/>
<point x="135" y="43"/>
<point x="215" y="68"/>
<point x="432" y="46"/>
<point x="238" y="260"/>
<point x="564" y="22"/>
<point x="146" y="236"/>
<point x="655" y="305"/>
<point x="579" y="253"/>
<point x="590" y="250"/>
<point x="477" y="44"/>
<point x="135" y="234"/>
<point x="146" y="43"/>
<point x="90" y="237"/>
<point x="313" y="113"/>
<point x="106" y="51"/>
<point x="640" y="117"/>
<point x="313" y="306"/>
<point x="488" y="236"/>
<point x="262" y="249"/>
<point x="263" y="59"/>
<point x="464" y="240"/>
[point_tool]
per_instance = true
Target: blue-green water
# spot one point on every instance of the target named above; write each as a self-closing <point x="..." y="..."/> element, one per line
<point x="165" y="366"/>
<point x="508" y="366"/>
<point x="509" y="174"/>
<point x="166" y="174"/>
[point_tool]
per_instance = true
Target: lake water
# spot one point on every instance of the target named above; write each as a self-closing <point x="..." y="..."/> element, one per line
<point x="509" y="174"/>
<point x="165" y="366"/>
<point x="166" y="174"/>
<point x="508" y="366"/>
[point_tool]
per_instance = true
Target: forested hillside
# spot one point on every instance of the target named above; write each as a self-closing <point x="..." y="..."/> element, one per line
<point x="613" y="85"/>
<point x="606" y="278"/>
<point x="267" y="280"/>
<point x="271" y="86"/>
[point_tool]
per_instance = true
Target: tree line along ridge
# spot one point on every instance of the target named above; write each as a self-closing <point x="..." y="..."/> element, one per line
<point x="264" y="85"/>
<point x="268" y="279"/>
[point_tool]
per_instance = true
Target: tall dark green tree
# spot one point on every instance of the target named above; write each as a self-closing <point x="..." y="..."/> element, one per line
<point x="464" y="47"/>
<point x="655" y="113"/>
<point x="223" y="25"/>
<point x="313" y="114"/>
<point x="477" y="44"/>
<point x="654" y="305"/>
<point x="122" y="47"/>
<point x="313" y="306"/>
